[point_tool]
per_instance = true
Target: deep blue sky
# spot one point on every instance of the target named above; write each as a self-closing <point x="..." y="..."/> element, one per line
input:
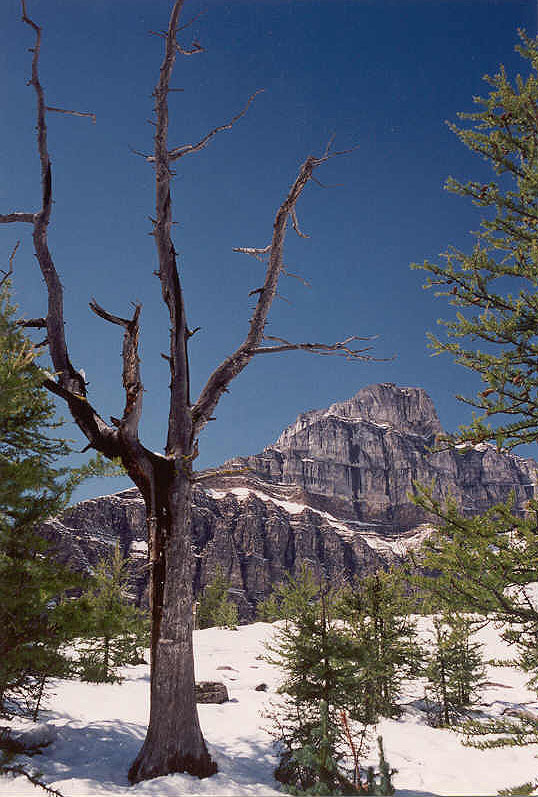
<point x="383" y="74"/>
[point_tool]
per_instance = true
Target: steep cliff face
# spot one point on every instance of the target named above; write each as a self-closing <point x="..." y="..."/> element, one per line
<point x="360" y="457"/>
<point x="332" y="491"/>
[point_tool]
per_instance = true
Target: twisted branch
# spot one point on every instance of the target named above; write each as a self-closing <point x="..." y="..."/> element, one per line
<point x="132" y="383"/>
<point x="187" y="149"/>
<point x="233" y="365"/>
<point x="69" y="383"/>
<point x="340" y="348"/>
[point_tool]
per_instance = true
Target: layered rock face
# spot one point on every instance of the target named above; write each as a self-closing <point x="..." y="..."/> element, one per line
<point x="333" y="491"/>
<point x="360" y="457"/>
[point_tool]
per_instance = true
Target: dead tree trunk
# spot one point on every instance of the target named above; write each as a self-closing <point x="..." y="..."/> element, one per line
<point x="174" y="741"/>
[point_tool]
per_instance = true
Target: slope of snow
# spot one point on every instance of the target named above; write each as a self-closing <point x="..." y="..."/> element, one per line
<point x="98" y="729"/>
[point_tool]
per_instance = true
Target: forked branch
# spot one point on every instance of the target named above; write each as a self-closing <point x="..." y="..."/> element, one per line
<point x="236" y="362"/>
<point x="341" y="348"/>
<point x="132" y="382"/>
<point x="188" y="149"/>
<point x="195" y="48"/>
<point x="68" y="383"/>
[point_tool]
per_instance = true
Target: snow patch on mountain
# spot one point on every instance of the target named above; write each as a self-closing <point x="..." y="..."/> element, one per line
<point x="350" y="529"/>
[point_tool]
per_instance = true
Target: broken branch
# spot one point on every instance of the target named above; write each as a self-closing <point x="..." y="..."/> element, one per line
<point x="128" y="426"/>
<point x="340" y="348"/>
<point x="9" y="272"/>
<point x="114" y="319"/>
<point x="250" y="250"/>
<point x="36" y="323"/>
<point x="69" y="112"/>
<point x="188" y="149"/>
<point x="236" y="362"/>
<point x="10" y="218"/>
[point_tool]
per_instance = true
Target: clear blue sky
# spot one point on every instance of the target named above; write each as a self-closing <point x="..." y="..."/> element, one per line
<point x="383" y="74"/>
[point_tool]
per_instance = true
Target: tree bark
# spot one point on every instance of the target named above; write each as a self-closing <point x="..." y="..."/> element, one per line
<point x="174" y="741"/>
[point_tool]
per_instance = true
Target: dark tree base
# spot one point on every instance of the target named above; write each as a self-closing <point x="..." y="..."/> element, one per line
<point x="146" y="768"/>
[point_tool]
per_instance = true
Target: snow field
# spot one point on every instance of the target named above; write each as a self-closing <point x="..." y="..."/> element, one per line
<point x="99" y="728"/>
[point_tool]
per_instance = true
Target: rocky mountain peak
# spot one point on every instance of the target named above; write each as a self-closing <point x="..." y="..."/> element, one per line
<point x="408" y="410"/>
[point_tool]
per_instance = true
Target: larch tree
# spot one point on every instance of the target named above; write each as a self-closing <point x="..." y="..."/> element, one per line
<point x="489" y="563"/>
<point x="174" y="741"/>
<point x="377" y="613"/>
<point x="36" y="619"/>
<point x="494" y="286"/>
<point x="116" y="631"/>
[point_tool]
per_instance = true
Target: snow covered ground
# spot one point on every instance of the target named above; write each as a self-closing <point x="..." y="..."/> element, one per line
<point x="98" y="729"/>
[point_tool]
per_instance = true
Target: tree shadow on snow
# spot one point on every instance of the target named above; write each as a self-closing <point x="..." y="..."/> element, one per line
<point x="247" y="762"/>
<point x="97" y="751"/>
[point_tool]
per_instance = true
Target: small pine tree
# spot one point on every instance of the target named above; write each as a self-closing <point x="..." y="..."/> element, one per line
<point x="487" y="564"/>
<point x="36" y="616"/>
<point x="215" y="607"/>
<point x="384" y="787"/>
<point x="386" y="650"/>
<point x="116" y="630"/>
<point x="319" y="684"/>
<point x="524" y="788"/>
<point x="269" y="609"/>
<point x="454" y="669"/>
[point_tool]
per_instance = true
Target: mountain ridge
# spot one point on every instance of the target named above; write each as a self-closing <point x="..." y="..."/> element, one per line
<point x="332" y="491"/>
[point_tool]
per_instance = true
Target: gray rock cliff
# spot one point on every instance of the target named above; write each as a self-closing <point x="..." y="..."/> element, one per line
<point x="360" y="457"/>
<point x="332" y="491"/>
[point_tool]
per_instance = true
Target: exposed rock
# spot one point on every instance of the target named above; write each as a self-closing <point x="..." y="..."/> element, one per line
<point x="359" y="459"/>
<point x="333" y="492"/>
<point x="261" y="688"/>
<point x="211" y="692"/>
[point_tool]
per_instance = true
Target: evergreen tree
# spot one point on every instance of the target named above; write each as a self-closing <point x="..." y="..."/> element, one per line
<point x="36" y="617"/>
<point x="376" y="612"/>
<point x="319" y="685"/>
<point x="269" y="610"/>
<point x="288" y="598"/>
<point x="494" y="287"/>
<point x="117" y="630"/>
<point x="215" y="607"/>
<point x="487" y="564"/>
<point x="454" y="668"/>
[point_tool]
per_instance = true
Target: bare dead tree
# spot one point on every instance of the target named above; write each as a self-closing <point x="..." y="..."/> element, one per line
<point x="174" y="742"/>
